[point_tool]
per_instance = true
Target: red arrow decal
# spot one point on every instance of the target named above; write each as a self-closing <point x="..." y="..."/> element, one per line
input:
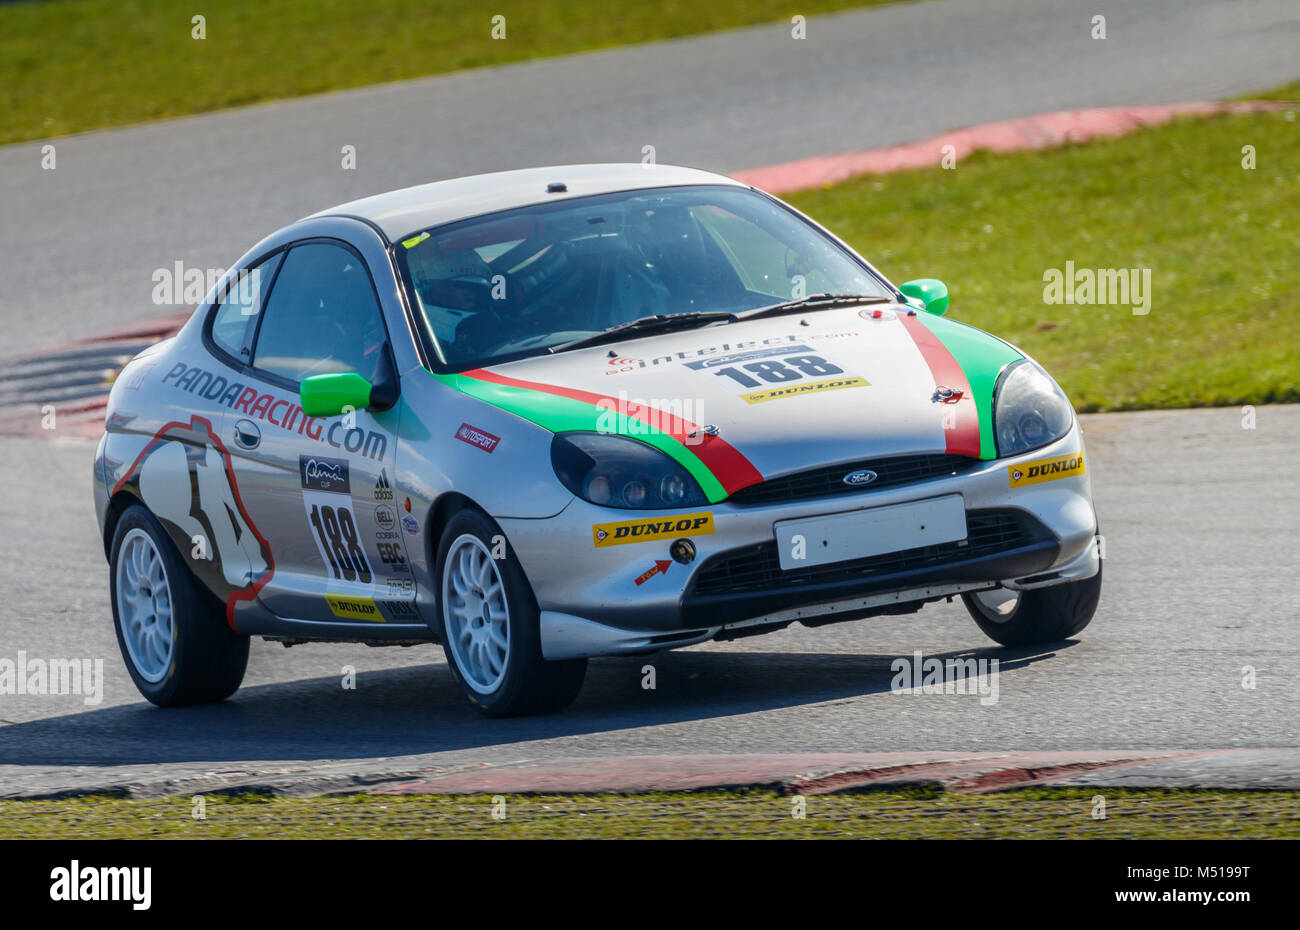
<point x="661" y="568"/>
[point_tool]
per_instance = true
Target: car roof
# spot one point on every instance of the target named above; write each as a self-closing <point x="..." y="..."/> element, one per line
<point x="404" y="211"/>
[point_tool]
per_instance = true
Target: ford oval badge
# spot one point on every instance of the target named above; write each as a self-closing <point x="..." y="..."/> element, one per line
<point x="855" y="479"/>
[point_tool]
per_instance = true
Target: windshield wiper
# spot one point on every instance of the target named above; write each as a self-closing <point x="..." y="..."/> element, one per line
<point x="813" y="302"/>
<point x="643" y="325"/>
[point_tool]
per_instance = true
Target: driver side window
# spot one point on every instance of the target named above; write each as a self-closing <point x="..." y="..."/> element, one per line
<point x="322" y="317"/>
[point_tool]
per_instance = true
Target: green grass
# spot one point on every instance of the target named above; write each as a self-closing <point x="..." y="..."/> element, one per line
<point x="1041" y="813"/>
<point x="1287" y="92"/>
<point x="1224" y="323"/>
<point x="73" y="65"/>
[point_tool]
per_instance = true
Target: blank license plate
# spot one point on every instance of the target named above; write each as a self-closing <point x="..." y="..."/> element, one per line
<point x="860" y="534"/>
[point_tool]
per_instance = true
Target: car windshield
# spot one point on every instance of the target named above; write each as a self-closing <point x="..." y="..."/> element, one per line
<point x="520" y="282"/>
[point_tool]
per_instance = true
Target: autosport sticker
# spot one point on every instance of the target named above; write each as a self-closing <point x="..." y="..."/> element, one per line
<point x="814" y="387"/>
<point x="353" y="607"/>
<point x="1061" y="466"/>
<point x="479" y="439"/>
<point x="633" y="531"/>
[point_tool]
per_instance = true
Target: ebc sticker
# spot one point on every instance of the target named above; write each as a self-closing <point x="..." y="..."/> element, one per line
<point x="1036" y="472"/>
<point x="186" y="479"/>
<point x="634" y="531"/>
<point x="393" y="554"/>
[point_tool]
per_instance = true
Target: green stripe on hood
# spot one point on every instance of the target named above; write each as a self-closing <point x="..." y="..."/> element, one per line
<point x="564" y="414"/>
<point x="982" y="358"/>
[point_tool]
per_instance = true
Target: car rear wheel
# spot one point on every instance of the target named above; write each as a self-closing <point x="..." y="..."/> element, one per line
<point x="1032" y="618"/>
<point x="488" y="624"/>
<point x="172" y="632"/>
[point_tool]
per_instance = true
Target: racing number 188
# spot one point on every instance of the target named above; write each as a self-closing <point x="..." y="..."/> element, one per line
<point x="788" y="369"/>
<point x="338" y="537"/>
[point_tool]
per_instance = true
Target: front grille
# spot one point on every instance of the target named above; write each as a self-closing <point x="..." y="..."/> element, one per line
<point x="757" y="568"/>
<point x="829" y="481"/>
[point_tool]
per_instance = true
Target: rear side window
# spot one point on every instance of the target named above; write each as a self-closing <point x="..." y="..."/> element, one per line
<point x="322" y="316"/>
<point x="235" y="320"/>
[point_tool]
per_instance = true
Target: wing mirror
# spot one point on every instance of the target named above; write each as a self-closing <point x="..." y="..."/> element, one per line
<point x="927" y="294"/>
<point x="330" y="395"/>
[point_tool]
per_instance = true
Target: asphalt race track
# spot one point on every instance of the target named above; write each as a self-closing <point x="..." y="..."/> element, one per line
<point x="1200" y="582"/>
<point x="1198" y="513"/>
<point x="79" y="245"/>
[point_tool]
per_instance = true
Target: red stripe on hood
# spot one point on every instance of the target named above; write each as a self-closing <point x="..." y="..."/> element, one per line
<point x="963" y="437"/>
<point x="724" y="460"/>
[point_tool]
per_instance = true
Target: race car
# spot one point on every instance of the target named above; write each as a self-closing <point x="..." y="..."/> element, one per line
<point x="543" y="415"/>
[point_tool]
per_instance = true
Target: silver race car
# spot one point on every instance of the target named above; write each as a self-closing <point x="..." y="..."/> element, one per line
<point x="544" y="415"/>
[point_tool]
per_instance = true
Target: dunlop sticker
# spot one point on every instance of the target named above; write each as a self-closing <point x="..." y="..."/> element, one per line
<point x="633" y="531"/>
<point x="814" y="387"/>
<point x="351" y="607"/>
<point x="1062" y="466"/>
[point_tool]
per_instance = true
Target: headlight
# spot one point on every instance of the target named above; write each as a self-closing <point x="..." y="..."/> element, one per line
<point x="614" y="471"/>
<point x="1029" y="410"/>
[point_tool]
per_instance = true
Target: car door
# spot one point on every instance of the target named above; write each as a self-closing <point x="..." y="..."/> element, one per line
<point x="319" y="488"/>
<point x="182" y="475"/>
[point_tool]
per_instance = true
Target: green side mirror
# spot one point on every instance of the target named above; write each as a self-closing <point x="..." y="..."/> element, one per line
<point x="329" y="395"/>
<point x="927" y="294"/>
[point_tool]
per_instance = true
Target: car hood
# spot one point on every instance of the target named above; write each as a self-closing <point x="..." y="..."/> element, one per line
<point x="743" y="402"/>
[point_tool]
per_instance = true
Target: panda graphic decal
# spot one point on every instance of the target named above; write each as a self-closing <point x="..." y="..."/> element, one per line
<point x="184" y="475"/>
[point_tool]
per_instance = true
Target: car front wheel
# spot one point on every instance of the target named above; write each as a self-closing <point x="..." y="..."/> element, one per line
<point x="172" y="632"/>
<point x="1042" y="615"/>
<point x="488" y="623"/>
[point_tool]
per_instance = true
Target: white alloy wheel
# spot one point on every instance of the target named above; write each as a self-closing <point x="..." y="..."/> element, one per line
<point x="144" y="605"/>
<point x="476" y="614"/>
<point x="998" y="604"/>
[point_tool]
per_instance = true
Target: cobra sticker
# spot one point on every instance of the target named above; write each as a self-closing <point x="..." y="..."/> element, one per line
<point x="634" y="531"/>
<point x="1061" y="466"/>
<point x="353" y="607"/>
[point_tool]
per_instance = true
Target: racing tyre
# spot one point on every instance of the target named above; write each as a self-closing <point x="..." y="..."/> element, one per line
<point x="172" y="632"/>
<point x="488" y="624"/>
<point x="1032" y="618"/>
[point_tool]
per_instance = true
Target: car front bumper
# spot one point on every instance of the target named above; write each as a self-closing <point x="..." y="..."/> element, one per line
<point x="633" y="597"/>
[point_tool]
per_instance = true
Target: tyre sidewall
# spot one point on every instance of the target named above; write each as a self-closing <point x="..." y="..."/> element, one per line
<point x="193" y="607"/>
<point x="525" y="639"/>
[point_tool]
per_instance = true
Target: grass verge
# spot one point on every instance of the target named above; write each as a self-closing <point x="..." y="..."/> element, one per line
<point x="72" y="65"/>
<point x="1039" y="813"/>
<point x="1224" y="320"/>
